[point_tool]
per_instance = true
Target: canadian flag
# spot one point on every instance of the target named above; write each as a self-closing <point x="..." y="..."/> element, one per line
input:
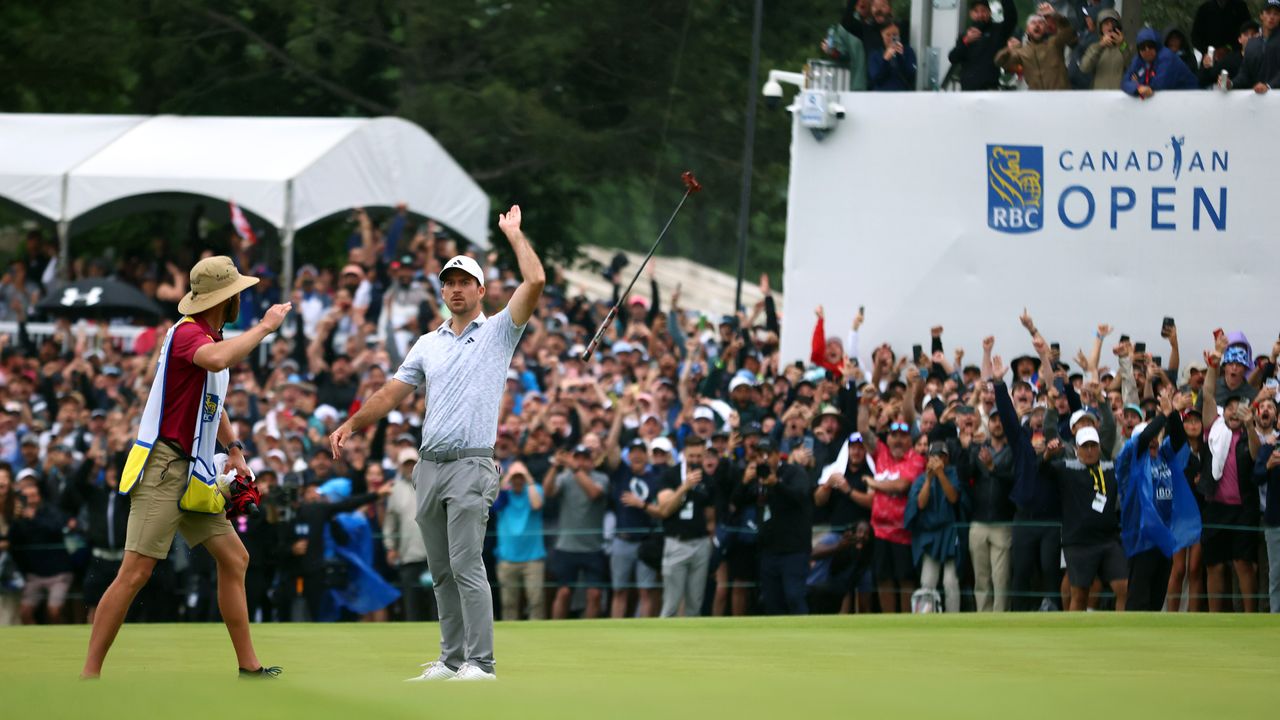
<point x="242" y="227"/>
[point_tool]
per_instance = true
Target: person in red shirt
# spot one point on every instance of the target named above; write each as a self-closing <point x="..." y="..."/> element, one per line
<point x="826" y="352"/>
<point x="196" y="354"/>
<point x="897" y="465"/>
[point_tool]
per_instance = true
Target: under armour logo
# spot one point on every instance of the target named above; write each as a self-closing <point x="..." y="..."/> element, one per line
<point x="71" y="296"/>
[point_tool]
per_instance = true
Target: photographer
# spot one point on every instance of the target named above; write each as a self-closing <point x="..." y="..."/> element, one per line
<point x="302" y="544"/>
<point x="976" y="49"/>
<point x="781" y="492"/>
<point x="1107" y="59"/>
<point x="35" y="539"/>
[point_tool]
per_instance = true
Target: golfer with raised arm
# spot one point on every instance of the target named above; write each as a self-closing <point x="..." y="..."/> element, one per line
<point x="463" y="365"/>
<point x="171" y="470"/>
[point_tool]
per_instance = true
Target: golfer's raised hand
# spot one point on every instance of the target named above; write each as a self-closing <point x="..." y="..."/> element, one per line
<point x="509" y="222"/>
<point x="339" y="439"/>
<point x="274" y="317"/>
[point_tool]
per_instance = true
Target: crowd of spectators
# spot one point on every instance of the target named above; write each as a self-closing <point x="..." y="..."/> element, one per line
<point x="686" y="468"/>
<point x="1072" y="45"/>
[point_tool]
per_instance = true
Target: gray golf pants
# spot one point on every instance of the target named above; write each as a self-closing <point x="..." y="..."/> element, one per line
<point x="684" y="575"/>
<point x="453" y="512"/>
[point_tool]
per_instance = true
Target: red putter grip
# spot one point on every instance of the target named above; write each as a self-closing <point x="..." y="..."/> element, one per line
<point x="690" y="182"/>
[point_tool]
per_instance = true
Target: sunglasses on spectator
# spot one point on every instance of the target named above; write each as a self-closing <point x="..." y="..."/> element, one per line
<point x="900" y="427"/>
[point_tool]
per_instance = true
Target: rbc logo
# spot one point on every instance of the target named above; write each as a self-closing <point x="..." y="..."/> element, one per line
<point x="1014" y="188"/>
<point x="210" y="407"/>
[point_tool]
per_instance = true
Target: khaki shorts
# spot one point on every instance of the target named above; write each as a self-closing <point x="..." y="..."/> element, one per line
<point x="154" y="515"/>
<point x="54" y="587"/>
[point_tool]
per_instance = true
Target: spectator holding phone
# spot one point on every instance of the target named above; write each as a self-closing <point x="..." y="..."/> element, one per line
<point x="894" y="67"/>
<point x="935" y="503"/>
<point x="976" y="48"/>
<point x="689" y="522"/>
<point x="1107" y="59"/>
<point x="582" y="493"/>
<point x="520" y="552"/>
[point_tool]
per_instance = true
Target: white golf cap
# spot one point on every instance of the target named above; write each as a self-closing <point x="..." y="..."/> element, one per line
<point x="663" y="444"/>
<point x="1086" y="435"/>
<point x="704" y="413"/>
<point x="1077" y="416"/>
<point x="466" y="265"/>
<point x="738" y="382"/>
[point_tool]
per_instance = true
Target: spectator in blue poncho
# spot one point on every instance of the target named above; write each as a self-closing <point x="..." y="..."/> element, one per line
<point x="934" y="506"/>
<point x="349" y="539"/>
<point x="1158" y="514"/>
<point x="1156" y="68"/>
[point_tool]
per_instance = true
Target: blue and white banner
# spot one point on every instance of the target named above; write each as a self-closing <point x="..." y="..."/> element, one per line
<point x="1086" y="207"/>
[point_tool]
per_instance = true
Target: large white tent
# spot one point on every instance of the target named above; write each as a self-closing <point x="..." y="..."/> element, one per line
<point x="290" y="172"/>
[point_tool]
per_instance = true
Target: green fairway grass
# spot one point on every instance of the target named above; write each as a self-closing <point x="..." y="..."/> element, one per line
<point x="969" y="666"/>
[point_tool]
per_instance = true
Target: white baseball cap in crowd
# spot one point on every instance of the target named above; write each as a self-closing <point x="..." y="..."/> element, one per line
<point x="1086" y="435"/>
<point x="663" y="444"/>
<point x="466" y="265"/>
<point x="1078" y="415"/>
<point x="408" y="455"/>
<point x="702" y="412"/>
<point x="738" y="382"/>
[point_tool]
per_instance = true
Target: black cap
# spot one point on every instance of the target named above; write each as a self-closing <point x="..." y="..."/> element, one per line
<point x="938" y="447"/>
<point x="766" y="445"/>
<point x="406" y="438"/>
<point x="581" y="450"/>
<point x="752" y="428"/>
<point x="638" y="444"/>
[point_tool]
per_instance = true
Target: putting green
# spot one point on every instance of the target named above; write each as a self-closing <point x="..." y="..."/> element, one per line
<point x="1025" y="666"/>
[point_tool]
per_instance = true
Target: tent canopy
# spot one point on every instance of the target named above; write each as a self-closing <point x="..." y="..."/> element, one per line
<point x="290" y="172"/>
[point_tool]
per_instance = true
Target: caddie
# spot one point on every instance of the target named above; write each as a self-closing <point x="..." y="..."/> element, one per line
<point x="170" y="474"/>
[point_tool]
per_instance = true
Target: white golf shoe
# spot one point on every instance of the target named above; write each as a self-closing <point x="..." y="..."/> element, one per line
<point x="434" y="671"/>
<point x="469" y="672"/>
